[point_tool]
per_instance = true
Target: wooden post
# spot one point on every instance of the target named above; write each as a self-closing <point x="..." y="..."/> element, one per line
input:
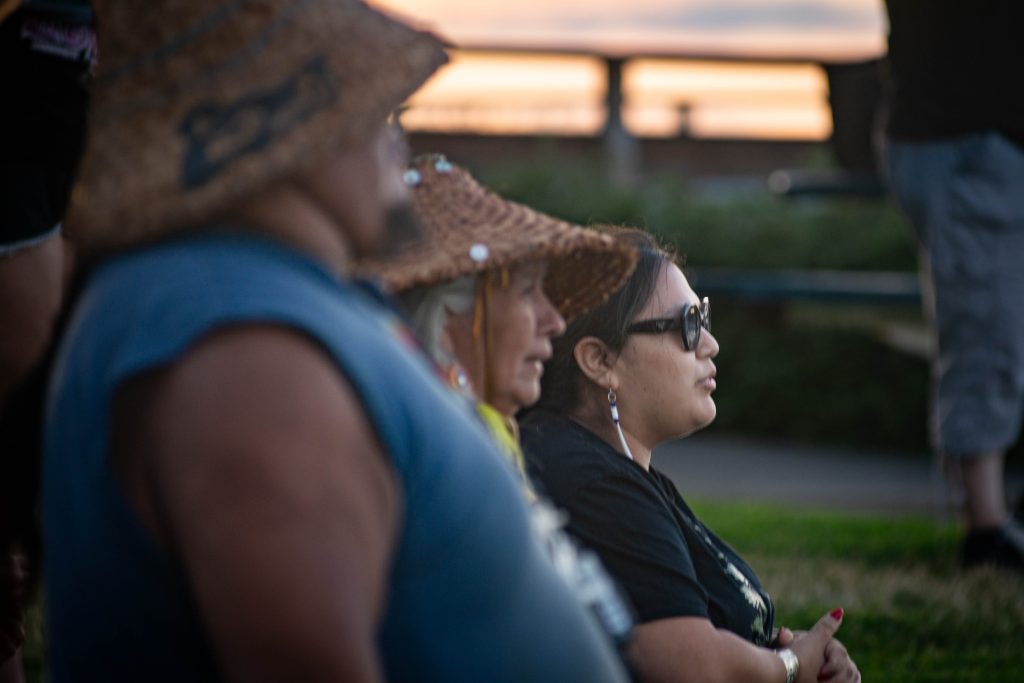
<point x="621" y="150"/>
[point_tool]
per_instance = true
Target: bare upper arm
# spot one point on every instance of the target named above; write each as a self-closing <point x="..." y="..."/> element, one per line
<point x="268" y="481"/>
<point x="31" y="290"/>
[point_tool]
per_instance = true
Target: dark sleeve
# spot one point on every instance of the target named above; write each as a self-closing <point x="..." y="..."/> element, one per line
<point x="45" y="104"/>
<point x="630" y="527"/>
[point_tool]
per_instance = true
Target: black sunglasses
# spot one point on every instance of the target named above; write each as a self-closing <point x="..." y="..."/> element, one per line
<point x="691" y="318"/>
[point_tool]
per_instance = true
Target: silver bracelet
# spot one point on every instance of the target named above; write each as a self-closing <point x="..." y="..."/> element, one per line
<point x="790" y="661"/>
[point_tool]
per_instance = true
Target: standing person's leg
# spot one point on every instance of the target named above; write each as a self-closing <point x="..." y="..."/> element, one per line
<point x="984" y="498"/>
<point x="988" y="193"/>
<point x="994" y="536"/>
<point x="962" y="199"/>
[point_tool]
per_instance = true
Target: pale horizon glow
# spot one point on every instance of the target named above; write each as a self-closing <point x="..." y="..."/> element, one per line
<point x="498" y="94"/>
<point x="714" y="100"/>
<point x="817" y="29"/>
<point x="563" y="94"/>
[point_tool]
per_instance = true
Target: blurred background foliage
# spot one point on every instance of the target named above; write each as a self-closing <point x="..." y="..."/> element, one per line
<point x="734" y="223"/>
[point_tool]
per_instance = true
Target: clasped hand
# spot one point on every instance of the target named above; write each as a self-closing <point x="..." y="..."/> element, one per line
<point x="822" y="657"/>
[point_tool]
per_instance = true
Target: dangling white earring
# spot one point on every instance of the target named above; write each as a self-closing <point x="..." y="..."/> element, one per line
<point x="618" y="427"/>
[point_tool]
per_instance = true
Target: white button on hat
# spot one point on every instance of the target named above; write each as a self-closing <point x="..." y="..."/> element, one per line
<point x="479" y="252"/>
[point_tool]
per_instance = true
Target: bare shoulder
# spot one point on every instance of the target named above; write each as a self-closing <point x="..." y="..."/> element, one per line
<point x="265" y="405"/>
<point x="254" y="383"/>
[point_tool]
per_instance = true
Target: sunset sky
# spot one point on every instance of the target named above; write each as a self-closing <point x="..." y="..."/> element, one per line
<point x="563" y="94"/>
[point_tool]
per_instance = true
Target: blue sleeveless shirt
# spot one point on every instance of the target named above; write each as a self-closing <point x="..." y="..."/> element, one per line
<point x="471" y="596"/>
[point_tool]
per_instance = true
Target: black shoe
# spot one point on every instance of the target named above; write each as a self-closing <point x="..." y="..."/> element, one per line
<point x="1002" y="546"/>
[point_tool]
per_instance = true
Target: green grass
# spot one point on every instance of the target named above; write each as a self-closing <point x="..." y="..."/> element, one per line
<point x="34" y="649"/>
<point x="911" y="615"/>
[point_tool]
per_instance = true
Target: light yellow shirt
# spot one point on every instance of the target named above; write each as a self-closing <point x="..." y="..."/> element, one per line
<point x="504" y="433"/>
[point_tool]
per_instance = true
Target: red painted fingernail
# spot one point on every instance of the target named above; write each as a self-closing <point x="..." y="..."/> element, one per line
<point x="837" y="613"/>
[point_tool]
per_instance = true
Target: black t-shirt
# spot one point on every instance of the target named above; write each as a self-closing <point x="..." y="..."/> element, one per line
<point x="956" y="68"/>
<point x="668" y="562"/>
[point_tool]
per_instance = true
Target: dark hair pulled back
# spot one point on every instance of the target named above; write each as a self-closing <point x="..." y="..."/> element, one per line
<point x="562" y="381"/>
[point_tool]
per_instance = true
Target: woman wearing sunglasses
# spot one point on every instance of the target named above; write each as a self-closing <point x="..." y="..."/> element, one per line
<point x="626" y="376"/>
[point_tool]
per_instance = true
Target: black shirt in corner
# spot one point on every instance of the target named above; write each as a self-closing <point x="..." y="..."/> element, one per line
<point x="668" y="562"/>
<point x="955" y="68"/>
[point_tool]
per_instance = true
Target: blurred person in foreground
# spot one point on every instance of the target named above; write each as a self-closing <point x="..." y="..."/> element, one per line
<point x="248" y="474"/>
<point x="956" y="164"/>
<point x="47" y="52"/>
<point x="486" y="292"/>
<point x="632" y="373"/>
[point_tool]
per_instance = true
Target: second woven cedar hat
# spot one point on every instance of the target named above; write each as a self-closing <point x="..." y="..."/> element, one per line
<point x="469" y="230"/>
<point x="200" y="103"/>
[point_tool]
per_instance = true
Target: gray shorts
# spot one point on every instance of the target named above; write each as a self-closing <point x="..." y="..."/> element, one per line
<point x="965" y="198"/>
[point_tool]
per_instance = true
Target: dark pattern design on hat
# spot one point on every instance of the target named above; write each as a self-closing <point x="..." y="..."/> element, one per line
<point x="217" y="134"/>
<point x="200" y="104"/>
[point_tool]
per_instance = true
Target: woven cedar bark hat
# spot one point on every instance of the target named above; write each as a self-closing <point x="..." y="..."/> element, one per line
<point x="199" y="103"/>
<point x="470" y="230"/>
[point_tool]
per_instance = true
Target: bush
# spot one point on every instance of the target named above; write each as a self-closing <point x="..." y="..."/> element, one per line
<point x="749" y="229"/>
<point x="783" y="376"/>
